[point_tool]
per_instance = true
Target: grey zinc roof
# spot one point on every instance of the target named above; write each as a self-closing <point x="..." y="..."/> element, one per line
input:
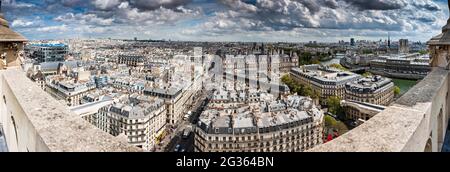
<point x="50" y="66"/>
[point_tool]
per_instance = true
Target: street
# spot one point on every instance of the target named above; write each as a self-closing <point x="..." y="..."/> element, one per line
<point x="199" y="103"/>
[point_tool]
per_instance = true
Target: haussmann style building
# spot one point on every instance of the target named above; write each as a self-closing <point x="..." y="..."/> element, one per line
<point x="293" y="124"/>
<point x="365" y="97"/>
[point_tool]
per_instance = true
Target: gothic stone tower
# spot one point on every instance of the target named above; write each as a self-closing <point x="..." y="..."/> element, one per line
<point x="11" y="45"/>
<point x="439" y="47"/>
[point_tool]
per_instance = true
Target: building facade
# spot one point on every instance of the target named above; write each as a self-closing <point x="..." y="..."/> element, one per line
<point x="70" y="91"/>
<point x="366" y="97"/>
<point x="141" y="119"/>
<point x="410" y="66"/>
<point x="324" y="80"/>
<point x="291" y="125"/>
<point x="374" y="90"/>
<point x="48" y="52"/>
<point x="131" y="60"/>
<point x="403" y="46"/>
<point x="360" y="111"/>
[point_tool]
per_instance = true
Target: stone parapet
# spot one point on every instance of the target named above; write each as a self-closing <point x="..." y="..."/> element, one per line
<point x="33" y="121"/>
<point x="414" y="123"/>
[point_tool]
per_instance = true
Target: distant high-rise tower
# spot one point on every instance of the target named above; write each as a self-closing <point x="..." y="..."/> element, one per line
<point x="403" y="47"/>
<point x="389" y="41"/>
<point x="352" y="42"/>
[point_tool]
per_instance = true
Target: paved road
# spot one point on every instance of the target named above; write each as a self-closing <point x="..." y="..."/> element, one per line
<point x="186" y="144"/>
<point x="200" y="101"/>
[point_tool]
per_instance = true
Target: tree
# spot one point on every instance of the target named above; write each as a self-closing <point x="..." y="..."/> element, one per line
<point x="316" y="61"/>
<point x="397" y="90"/>
<point x="315" y="95"/>
<point x="330" y="122"/>
<point x="423" y="52"/>
<point x="341" y="128"/>
<point x="286" y="79"/>
<point x="367" y="74"/>
<point x="334" y="105"/>
<point x="367" y="51"/>
<point x="308" y="91"/>
<point x="338" y="66"/>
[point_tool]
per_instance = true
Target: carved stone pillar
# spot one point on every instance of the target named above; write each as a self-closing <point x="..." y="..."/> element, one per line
<point x="439" y="47"/>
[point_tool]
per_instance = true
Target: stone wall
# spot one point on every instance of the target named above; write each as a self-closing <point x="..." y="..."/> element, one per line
<point x="414" y="123"/>
<point x="33" y="121"/>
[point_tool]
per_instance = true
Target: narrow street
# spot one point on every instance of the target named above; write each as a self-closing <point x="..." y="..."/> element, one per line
<point x="187" y="144"/>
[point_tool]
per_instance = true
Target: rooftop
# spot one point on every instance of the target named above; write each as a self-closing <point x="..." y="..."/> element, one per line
<point x="136" y="108"/>
<point x="50" y="45"/>
<point x="368" y="84"/>
<point x="272" y="115"/>
<point x="325" y="74"/>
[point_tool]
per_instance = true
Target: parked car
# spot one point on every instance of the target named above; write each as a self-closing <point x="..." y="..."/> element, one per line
<point x="187" y="116"/>
<point x="177" y="148"/>
<point x="186" y="133"/>
<point x="332" y="115"/>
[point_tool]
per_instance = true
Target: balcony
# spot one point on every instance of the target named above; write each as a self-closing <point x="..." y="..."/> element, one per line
<point x="416" y="122"/>
<point x="34" y="122"/>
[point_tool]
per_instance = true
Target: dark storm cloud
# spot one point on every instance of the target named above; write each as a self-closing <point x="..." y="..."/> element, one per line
<point x="331" y="4"/>
<point x="74" y="3"/>
<point x="377" y="4"/>
<point x="143" y="5"/>
<point x="230" y="16"/>
<point x="427" y="6"/>
<point x="155" y="4"/>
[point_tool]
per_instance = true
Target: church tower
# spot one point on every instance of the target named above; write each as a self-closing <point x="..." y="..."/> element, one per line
<point x="439" y="47"/>
<point x="11" y="44"/>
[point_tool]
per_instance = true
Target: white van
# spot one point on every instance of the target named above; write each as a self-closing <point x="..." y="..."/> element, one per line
<point x="187" y="116"/>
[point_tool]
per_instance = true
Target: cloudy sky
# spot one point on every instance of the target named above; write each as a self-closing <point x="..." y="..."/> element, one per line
<point x="228" y="20"/>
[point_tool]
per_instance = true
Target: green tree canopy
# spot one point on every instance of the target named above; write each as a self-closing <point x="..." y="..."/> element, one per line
<point x="338" y="66"/>
<point x="334" y="105"/>
<point x="397" y="90"/>
<point x="367" y="74"/>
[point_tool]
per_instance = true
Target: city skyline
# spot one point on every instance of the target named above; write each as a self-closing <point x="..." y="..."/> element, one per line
<point x="228" y="20"/>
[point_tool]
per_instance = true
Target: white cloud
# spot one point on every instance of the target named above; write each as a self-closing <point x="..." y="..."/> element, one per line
<point x="84" y="19"/>
<point x="60" y="28"/>
<point x="21" y="23"/>
<point x="105" y="4"/>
